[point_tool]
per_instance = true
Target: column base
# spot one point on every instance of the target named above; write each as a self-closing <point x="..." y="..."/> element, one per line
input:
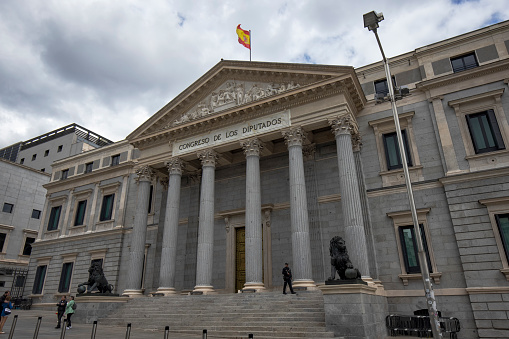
<point x="205" y="289"/>
<point x="167" y="291"/>
<point x="257" y="286"/>
<point x="133" y="293"/>
<point x="309" y="284"/>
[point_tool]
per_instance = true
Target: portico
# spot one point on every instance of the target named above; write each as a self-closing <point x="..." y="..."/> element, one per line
<point x="232" y="118"/>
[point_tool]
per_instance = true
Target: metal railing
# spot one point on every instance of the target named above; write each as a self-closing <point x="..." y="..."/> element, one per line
<point x="420" y="326"/>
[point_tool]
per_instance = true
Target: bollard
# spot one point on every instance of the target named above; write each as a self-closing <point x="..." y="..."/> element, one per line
<point x="128" y="331"/>
<point x="64" y="325"/>
<point x="250" y="336"/>
<point x="94" y="329"/>
<point x="36" y="333"/>
<point x="166" y="332"/>
<point x="204" y="334"/>
<point x="13" y="326"/>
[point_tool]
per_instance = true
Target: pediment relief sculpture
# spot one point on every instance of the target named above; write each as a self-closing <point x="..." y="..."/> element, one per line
<point x="233" y="94"/>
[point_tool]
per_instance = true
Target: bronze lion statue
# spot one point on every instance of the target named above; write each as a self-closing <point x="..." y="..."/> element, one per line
<point x="96" y="279"/>
<point x="340" y="261"/>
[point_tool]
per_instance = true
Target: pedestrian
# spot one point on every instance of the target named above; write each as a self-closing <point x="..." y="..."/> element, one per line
<point x="6" y="310"/>
<point x="287" y="277"/>
<point x="2" y="298"/>
<point x="69" y="311"/>
<point x="60" y="310"/>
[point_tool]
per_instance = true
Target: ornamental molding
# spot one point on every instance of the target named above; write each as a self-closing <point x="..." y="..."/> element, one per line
<point x="144" y="173"/>
<point x="294" y="136"/>
<point x="175" y="166"/>
<point x="251" y="147"/>
<point x="308" y="151"/>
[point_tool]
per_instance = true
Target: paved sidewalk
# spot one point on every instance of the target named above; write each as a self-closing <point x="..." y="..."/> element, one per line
<point x="27" y="321"/>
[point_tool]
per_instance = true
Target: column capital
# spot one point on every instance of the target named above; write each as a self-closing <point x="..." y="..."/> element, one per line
<point x="165" y="182"/>
<point x="144" y="173"/>
<point x="294" y="136"/>
<point x="175" y="165"/>
<point x="208" y="157"/>
<point x="308" y="152"/>
<point x="343" y="124"/>
<point x="356" y="142"/>
<point x="251" y="147"/>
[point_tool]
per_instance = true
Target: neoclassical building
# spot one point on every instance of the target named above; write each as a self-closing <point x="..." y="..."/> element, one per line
<point x="259" y="163"/>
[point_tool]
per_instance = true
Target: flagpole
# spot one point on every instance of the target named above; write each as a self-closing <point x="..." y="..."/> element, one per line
<point x="250" y="44"/>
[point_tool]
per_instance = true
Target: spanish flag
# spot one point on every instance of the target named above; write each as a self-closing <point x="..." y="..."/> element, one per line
<point x="244" y="37"/>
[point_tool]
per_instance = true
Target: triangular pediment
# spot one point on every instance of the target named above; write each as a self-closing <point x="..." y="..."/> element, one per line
<point x="236" y="84"/>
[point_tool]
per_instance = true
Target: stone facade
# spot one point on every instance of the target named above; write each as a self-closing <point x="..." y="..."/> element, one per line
<point x="323" y="166"/>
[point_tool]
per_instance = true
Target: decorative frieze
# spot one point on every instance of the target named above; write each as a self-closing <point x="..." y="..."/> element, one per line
<point x="208" y="157"/>
<point x="144" y="173"/>
<point x="251" y="147"/>
<point x="294" y="136"/>
<point x="233" y="94"/>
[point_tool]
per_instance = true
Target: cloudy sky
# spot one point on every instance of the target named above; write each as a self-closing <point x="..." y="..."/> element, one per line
<point x="110" y="65"/>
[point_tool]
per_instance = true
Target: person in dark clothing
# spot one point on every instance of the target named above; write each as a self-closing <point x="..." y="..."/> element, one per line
<point x="61" y="310"/>
<point x="2" y="298"/>
<point x="287" y="277"/>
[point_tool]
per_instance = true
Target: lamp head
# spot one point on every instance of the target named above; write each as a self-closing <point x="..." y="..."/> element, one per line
<point x="372" y="19"/>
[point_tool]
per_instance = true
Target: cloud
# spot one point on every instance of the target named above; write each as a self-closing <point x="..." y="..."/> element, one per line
<point x="109" y="66"/>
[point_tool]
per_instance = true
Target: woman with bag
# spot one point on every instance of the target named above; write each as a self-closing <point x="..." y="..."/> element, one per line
<point x="69" y="310"/>
<point x="6" y="310"/>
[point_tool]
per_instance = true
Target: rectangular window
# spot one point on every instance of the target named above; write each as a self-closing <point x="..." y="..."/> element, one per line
<point x="22" y="161"/>
<point x="27" y="249"/>
<point x="107" y="207"/>
<point x="36" y="214"/>
<point x="54" y="218"/>
<point x="88" y="167"/>
<point x="7" y="208"/>
<point x="34" y="157"/>
<point x="381" y="86"/>
<point x="60" y="148"/>
<point x="409" y="246"/>
<point x="40" y="275"/>
<point x="484" y="132"/>
<point x="150" y="198"/>
<point x="65" y="173"/>
<point x="464" y="62"/>
<point x="503" y="228"/>
<point x="46" y="152"/>
<point x="3" y="236"/>
<point x="115" y="160"/>
<point x="65" y="277"/>
<point x="392" y="154"/>
<point x="80" y="213"/>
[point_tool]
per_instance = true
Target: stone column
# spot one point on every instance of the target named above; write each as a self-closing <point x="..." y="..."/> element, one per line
<point x="343" y="127"/>
<point x="171" y="222"/>
<point x="205" y="251"/>
<point x="301" y="245"/>
<point x="139" y="233"/>
<point x="254" y="253"/>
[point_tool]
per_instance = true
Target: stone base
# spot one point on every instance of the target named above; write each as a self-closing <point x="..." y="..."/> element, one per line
<point x="133" y="293"/>
<point x="204" y="290"/>
<point x="166" y="291"/>
<point x="345" y="282"/>
<point x="257" y="287"/>
<point x="355" y="311"/>
<point x="93" y="306"/>
<point x="309" y="284"/>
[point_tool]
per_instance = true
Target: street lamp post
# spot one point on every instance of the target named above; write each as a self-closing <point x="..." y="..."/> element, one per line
<point x="371" y="21"/>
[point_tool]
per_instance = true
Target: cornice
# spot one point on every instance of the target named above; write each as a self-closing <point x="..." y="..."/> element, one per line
<point x="78" y="237"/>
<point x="77" y="180"/>
<point x="275" y="103"/>
<point x="479" y="175"/>
<point x="502" y="65"/>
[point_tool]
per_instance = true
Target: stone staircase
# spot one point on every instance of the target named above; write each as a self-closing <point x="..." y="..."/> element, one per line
<point x="265" y="315"/>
